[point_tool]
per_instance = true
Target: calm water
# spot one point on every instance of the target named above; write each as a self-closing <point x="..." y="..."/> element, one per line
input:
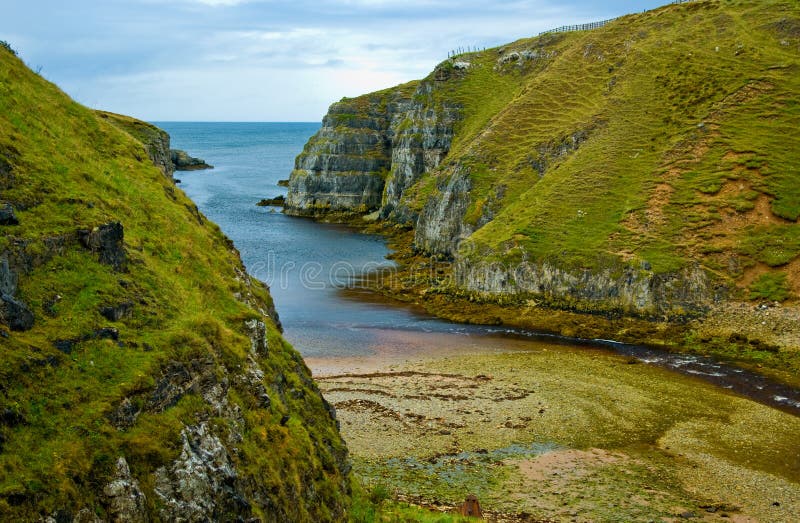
<point x="303" y="262"/>
<point x="306" y="264"/>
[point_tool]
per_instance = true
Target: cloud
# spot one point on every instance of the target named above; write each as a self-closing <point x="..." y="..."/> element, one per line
<point x="261" y="59"/>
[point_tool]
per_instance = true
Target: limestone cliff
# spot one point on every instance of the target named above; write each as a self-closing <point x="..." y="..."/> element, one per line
<point x="624" y="170"/>
<point x="370" y="150"/>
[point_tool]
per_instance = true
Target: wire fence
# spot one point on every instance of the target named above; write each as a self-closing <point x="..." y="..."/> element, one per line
<point x="563" y="29"/>
<point x="592" y="25"/>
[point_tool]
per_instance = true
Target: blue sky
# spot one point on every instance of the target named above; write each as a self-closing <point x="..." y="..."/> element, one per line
<point x="261" y="60"/>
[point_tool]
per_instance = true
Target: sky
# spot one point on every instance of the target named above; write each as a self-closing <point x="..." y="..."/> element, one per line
<point x="262" y="60"/>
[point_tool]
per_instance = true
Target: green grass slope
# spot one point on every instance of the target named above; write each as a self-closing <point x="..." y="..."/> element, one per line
<point x="65" y="168"/>
<point x="685" y="120"/>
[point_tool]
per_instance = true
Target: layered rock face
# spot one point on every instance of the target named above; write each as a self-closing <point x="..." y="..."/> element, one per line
<point x="616" y="290"/>
<point x="596" y="170"/>
<point x="370" y="150"/>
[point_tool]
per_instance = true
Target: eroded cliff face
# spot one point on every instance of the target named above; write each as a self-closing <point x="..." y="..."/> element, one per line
<point x="617" y="289"/>
<point x="370" y="150"/>
<point x="596" y="171"/>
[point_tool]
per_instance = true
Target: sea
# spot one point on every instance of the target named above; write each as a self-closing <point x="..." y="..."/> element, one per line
<point x="306" y="264"/>
<point x="311" y="269"/>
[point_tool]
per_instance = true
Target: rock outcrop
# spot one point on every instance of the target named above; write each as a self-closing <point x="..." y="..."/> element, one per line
<point x="181" y="161"/>
<point x="155" y="140"/>
<point x="616" y="290"/>
<point x="13" y="312"/>
<point x="107" y="241"/>
<point x="126" y="501"/>
<point x="441" y="225"/>
<point x="7" y="215"/>
<point x="575" y="172"/>
<point x="200" y="485"/>
<point x="370" y="150"/>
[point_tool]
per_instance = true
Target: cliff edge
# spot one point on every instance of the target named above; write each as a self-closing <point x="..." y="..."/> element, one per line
<point x="143" y="372"/>
<point x="645" y="169"/>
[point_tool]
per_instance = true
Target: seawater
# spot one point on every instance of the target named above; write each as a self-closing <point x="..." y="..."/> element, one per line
<point x="306" y="264"/>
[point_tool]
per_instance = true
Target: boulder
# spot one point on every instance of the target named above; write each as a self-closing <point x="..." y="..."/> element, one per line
<point x="15" y="313"/>
<point x="7" y="216"/>
<point x="278" y="201"/>
<point x="126" y="501"/>
<point x="107" y="241"/>
<point x="116" y="312"/>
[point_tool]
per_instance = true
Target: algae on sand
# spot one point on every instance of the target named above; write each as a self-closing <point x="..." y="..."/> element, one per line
<point x="562" y="433"/>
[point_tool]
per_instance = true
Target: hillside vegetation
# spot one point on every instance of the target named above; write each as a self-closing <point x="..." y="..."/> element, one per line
<point x="142" y="371"/>
<point x="664" y="138"/>
<point x="648" y="169"/>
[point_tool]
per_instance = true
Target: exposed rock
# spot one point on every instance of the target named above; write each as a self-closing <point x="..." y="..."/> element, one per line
<point x="183" y="162"/>
<point x="422" y="138"/>
<point x="441" y="226"/>
<point x="85" y="515"/>
<point x="257" y="330"/>
<point x="117" y="312"/>
<point x="200" y="484"/>
<point x="8" y="278"/>
<point x="7" y="215"/>
<point x="124" y="416"/>
<point x="107" y="241"/>
<point x="126" y="502"/>
<point x="253" y="377"/>
<point x="65" y="346"/>
<point x="617" y="289"/>
<point x="174" y="381"/>
<point x="278" y="201"/>
<point x="249" y="298"/>
<point x="105" y="333"/>
<point x="155" y="140"/>
<point x="13" y="312"/>
<point x="547" y="153"/>
<point x="369" y="151"/>
<point x="320" y="193"/>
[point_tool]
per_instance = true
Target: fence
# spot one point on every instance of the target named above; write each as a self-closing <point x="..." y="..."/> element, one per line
<point x="562" y="29"/>
<point x="592" y="25"/>
<point x="464" y="50"/>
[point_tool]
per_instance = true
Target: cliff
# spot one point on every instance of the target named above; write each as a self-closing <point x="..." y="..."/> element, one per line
<point x="155" y="140"/>
<point x="143" y="376"/>
<point x="370" y="150"/>
<point x="647" y="168"/>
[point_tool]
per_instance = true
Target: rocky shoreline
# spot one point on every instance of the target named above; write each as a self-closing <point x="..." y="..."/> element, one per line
<point x="509" y="203"/>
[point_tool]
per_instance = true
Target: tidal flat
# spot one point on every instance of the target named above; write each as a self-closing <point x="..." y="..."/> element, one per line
<point x="555" y="433"/>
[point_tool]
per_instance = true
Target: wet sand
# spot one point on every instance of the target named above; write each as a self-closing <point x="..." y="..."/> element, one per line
<point x="557" y="432"/>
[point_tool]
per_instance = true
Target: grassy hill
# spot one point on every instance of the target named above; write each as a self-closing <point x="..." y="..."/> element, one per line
<point x="645" y="170"/>
<point x="679" y="144"/>
<point x="142" y="371"/>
